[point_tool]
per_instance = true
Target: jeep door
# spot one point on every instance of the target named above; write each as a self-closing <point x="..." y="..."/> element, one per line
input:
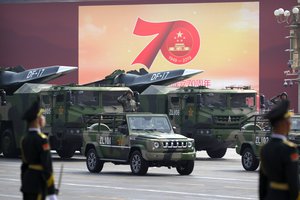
<point x="120" y="140"/>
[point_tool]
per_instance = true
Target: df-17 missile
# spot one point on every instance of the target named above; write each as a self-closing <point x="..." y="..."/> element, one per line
<point x="13" y="78"/>
<point x="140" y="80"/>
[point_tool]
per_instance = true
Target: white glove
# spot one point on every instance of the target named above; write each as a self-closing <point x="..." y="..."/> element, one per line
<point x="52" y="197"/>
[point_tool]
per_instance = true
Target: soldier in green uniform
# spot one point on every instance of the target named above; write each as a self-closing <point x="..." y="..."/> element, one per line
<point x="278" y="175"/>
<point x="127" y="101"/>
<point x="36" y="170"/>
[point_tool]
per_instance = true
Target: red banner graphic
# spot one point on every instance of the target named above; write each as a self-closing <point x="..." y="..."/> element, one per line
<point x="178" y="41"/>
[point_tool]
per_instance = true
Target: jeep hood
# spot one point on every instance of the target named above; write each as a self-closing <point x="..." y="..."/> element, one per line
<point x="159" y="135"/>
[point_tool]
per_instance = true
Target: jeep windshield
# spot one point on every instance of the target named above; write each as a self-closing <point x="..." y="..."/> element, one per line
<point x="149" y="123"/>
<point x="295" y="123"/>
<point x="242" y="100"/>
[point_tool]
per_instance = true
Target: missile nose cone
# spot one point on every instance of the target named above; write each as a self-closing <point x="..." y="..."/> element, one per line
<point x="63" y="69"/>
<point x="190" y="72"/>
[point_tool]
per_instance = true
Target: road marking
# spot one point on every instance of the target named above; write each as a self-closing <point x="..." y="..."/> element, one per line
<point x="11" y="196"/>
<point x="225" y="179"/>
<point x="160" y="191"/>
<point x="240" y="188"/>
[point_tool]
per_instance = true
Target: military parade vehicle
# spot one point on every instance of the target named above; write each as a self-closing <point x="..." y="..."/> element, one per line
<point x="141" y="140"/>
<point x="212" y="117"/>
<point x="64" y="108"/>
<point x="255" y="132"/>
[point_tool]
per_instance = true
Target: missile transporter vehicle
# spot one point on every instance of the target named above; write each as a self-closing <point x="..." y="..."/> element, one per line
<point x="211" y="117"/>
<point x="141" y="140"/>
<point x="64" y="110"/>
<point x="255" y="132"/>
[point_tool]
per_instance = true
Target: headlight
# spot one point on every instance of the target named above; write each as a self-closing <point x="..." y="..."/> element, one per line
<point x="190" y="144"/>
<point x="156" y="145"/>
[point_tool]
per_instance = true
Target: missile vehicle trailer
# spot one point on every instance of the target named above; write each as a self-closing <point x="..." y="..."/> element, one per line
<point x="64" y="110"/>
<point x="211" y="117"/>
<point x="255" y="132"/>
<point x="141" y="140"/>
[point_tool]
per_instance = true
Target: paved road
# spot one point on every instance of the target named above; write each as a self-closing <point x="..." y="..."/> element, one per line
<point x="212" y="179"/>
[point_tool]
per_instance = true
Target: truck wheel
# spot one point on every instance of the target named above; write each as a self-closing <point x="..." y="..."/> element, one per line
<point x="138" y="165"/>
<point x="93" y="163"/>
<point x="219" y="153"/>
<point x="186" y="167"/>
<point x="66" y="152"/>
<point x="249" y="160"/>
<point x="8" y="144"/>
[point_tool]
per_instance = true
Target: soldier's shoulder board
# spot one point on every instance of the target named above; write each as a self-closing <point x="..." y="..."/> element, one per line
<point x="42" y="135"/>
<point x="289" y="143"/>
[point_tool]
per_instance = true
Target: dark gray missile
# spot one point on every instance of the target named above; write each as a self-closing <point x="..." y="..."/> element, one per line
<point x="140" y="80"/>
<point x="13" y="78"/>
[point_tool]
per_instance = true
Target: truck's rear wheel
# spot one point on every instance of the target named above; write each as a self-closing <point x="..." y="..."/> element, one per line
<point x="219" y="153"/>
<point x="185" y="167"/>
<point x="138" y="165"/>
<point x="66" y="151"/>
<point x="8" y="144"/>
<point x="249" y="160"/>
<point x="93" y="163"/>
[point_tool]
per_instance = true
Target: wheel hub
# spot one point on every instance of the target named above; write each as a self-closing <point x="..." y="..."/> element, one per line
<point x="248" y="159"/>
<point x="136" y="163"/>
<point x="92" y="161"/>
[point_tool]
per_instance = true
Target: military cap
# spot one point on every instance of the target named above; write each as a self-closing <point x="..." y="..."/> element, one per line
<point x="281" y="111"/>
<point x="33" y="112"/>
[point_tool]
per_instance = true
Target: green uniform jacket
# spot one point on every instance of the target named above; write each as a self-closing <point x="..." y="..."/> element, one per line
<point x="278" y="175"/>
<point x="36" y="170"/>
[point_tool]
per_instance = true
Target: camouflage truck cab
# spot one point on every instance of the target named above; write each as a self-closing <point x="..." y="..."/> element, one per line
<point x="210" y="116"/>
<point x="141" y="140"/>
<point x="65" y="107"/>
<point x="255" y="132"/>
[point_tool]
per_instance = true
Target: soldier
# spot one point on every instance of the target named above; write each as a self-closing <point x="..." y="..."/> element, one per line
<point x="36" y="170"/>
<point x="278" y="175"/>
<point x="127" y="101"/>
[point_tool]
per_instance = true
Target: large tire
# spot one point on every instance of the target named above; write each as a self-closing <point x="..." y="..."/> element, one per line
<point x="93" y="163"/>
<point x="8" y="144"/>
<point x="249" y="160"/>
<point x="185" y="167"/>
<point x="138" y="165"/>
<point x="66" y="152"/>
<point x="219" y="153"/>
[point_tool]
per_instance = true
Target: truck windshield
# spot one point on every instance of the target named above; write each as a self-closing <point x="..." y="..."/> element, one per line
<point x="242" y="100"/>
<point x="295" y="124"/>
<point x="149" y="123"/>
<point x="86" y="98"/>
<point x="214" y="100"/>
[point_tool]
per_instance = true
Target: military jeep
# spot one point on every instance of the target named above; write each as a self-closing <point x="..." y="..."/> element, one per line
<point x="141" y="140"/>
<point x="255" y="132"/>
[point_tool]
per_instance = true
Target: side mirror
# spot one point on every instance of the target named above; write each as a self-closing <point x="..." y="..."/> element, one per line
<point x="123" y="130"/>
<point x="3" y="97"/>
<point x="174" y="129"/>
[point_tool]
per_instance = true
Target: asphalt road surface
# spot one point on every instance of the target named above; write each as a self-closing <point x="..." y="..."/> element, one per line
<point x="211" y="179"/>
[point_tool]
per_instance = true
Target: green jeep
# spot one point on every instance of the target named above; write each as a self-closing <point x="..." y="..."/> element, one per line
<point x="255" y="132"/>
<point x="141" y="140"/>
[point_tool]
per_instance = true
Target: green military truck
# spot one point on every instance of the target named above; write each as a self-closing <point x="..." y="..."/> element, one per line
<point x="141" y="140"/>
<point x="212" y="117"/>
<point x="255" y="132"/>
<point x="64" y="110"/>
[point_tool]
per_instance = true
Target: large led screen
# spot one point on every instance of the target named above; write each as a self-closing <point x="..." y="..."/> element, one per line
<point x="220" y="38"/>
